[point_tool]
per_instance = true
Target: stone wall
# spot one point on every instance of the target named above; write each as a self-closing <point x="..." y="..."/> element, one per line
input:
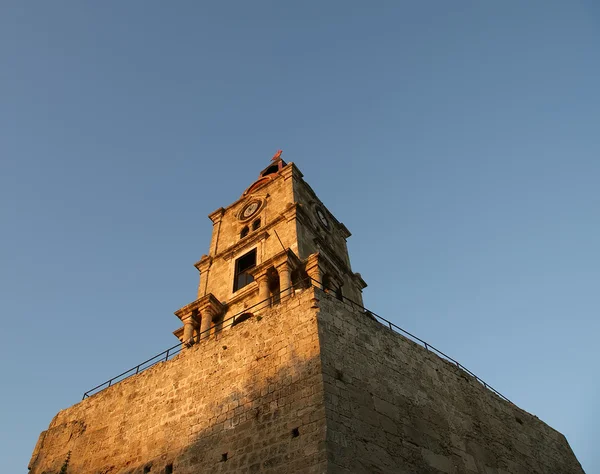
<point x="311" y="385"/>
<point x="394" y="407"/>
<point x="253" y="391"/>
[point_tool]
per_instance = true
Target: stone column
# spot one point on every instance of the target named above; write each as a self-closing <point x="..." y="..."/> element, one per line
<point x="314" y="271"/>
<point x="285" y="279"/>
<point x="205" y="322"/>
<point x="189" y="324"/>
<point x="209" y="307"/>
<point x="263" y="287"/>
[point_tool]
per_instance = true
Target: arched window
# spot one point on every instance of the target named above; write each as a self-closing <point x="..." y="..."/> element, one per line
<point x="244" y="232"/>
<point x="256" y="224"/>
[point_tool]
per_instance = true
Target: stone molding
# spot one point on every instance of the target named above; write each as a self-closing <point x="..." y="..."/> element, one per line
<point x="208" y="304"/>
<point x="216" y="216"/>
<point x="245" y="242"/>
<point x="285" y="257"/>
<point x="203" y="264"/>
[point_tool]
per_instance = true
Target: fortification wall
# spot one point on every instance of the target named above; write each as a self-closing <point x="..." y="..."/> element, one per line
<point x="394" y="407"/>
<point x="242" y="392"/>
<point x="313" y="386"/>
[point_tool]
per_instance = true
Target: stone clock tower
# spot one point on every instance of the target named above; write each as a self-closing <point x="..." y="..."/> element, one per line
<point x="275" y="240"/>
<point x="280" y="369"/>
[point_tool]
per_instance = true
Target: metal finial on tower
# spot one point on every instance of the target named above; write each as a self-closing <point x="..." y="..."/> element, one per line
<point x="277" y="155"/>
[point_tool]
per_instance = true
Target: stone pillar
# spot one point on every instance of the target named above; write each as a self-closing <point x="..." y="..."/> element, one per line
<point x="285" y="279"/>
<point x="205" y="322"/>
<point x="314" y="271"/>
<point x="263" y="289"/>
<point x="189" y="324"/>
<point x="199" y="313"/>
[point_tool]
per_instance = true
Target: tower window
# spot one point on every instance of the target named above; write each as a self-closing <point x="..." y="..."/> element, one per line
<point x="242" y="265"/>
<point x="256" y="224"/>
<point x="244" y="232"/>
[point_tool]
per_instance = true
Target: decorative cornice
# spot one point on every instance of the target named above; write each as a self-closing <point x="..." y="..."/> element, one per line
<point x="283" y="257"/>
<point x="345" y="232"/>
<point x="204" y="263"/>
<point x="328" y="260"/>
<point x="208" y="304"/>
<point x="216" y="216"/>
<point x="245" y="242"/>
<point x="359" y="279"/>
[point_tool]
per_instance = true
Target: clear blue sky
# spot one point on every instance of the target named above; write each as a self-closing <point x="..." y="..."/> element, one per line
<point x="458" y="141"/>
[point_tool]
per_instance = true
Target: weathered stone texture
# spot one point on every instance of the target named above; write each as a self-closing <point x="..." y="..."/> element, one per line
<point x="394" y="407"/>
<point x="288" y="222"/>
<point x="363" y="398"/>
<point x="308" y="384"/>
<point x="241" y="392"/>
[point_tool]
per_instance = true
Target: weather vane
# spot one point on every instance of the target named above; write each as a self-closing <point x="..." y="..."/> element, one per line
<point x="277" y="155"/>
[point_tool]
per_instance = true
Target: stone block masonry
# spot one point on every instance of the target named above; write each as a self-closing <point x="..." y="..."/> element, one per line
<point x="394" y="407"/>
<point x="313" y="385"/>
<point x="249" y="399"/>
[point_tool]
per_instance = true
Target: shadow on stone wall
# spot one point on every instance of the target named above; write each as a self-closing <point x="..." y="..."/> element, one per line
<point x="393" y="406"/>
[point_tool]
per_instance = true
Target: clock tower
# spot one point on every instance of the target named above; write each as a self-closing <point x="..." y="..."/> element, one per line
<point x="277" y="239"/>
<point x="281" y="369"/>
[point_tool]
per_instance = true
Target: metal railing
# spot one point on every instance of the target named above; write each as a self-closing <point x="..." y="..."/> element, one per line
<point x="427" y="346"/>
<point x="176" y="349"/>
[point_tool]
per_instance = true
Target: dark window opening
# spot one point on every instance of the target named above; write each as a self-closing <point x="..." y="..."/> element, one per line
<point x="271" y="170"/>
<point x="300" y="279"/>
<point x="217" y="324"/>
<point x="147" y="468"/>
<point x="274" y="288"/>
<point x="326" y="282"/>
<point x="169" y="469"/>
<point x="295" y="433"/>
<point x="223" y="457"/>
<point x="338" y="294"/>
<point x="256" y="224"/>
<point x="242" y="265"/>
<point x="244" y="232"/>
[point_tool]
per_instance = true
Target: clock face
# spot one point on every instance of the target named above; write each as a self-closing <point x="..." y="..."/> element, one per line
<point x="322" y="218"/>
<point x="250" y="209"/>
